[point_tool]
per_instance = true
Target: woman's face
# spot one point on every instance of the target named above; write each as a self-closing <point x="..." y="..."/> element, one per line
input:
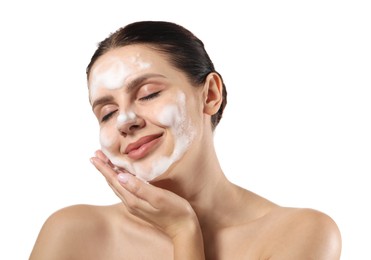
<point x="148" y="112"/>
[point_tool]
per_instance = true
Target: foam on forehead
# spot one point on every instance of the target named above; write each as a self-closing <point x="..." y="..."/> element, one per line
<point x="110" y="74"/>
<point x="139" y="63"/>
<point x="113" y="72"/>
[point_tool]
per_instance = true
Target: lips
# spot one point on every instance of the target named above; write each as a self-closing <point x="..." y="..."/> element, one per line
<point x="142" y="147"/>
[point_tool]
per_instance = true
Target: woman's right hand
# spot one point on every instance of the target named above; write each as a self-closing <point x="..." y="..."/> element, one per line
<point x="164" y="209"/>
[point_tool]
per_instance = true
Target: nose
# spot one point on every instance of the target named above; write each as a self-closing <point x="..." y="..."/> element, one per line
<point x="128" y="123"/>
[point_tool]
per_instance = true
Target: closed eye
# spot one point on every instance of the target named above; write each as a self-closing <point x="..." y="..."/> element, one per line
<point x="108" y="116"/>
<point x="150" y="96"/>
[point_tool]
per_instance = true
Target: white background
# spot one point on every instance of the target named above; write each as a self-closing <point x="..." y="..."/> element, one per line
<point x="296" y="129"/>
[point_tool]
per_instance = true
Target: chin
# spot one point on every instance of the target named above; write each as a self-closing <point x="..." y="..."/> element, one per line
<point x="167" y="174"/>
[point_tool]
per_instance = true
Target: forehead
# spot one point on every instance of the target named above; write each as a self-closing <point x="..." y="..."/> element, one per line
<point x="136" y="56"/>
<point x="118" y="66"/>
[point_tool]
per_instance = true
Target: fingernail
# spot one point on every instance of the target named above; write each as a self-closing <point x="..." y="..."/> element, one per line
<point x="123" y="178"/>
<point x="91" y="160"/>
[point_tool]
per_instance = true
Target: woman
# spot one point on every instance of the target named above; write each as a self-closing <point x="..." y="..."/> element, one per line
<point x="158" y="99"/>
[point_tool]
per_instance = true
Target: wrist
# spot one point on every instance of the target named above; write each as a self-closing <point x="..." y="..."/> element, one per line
<point x="188" y="243"/>
<point x="187" y="227"/>
<point x="187" y="230"/>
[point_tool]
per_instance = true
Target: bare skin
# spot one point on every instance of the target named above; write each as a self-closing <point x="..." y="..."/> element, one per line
<point x="111" y="232"/>
<point x="192" y="211"/>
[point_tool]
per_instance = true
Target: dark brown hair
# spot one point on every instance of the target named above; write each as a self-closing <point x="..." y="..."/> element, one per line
<point x="184" y="51"/>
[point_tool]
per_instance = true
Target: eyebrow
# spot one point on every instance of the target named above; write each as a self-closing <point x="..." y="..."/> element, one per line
<point x="102" y="100"/>
<point x="137" y="82"/>
<point x="131" y="86"/>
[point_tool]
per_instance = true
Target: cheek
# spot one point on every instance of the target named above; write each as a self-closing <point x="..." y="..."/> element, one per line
<point x="175" y="114"/>
<point x="107" y="139"/>
<point x="167" y="115"/>
<point x="170" y="112"/>
<point x="176" y="117"/>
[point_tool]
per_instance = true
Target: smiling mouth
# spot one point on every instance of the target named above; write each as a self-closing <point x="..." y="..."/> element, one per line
<point x="143" y="146"/>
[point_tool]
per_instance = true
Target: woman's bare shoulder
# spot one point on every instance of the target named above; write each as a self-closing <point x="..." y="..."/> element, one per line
<point x="67" y="231"/>
<point x="302" y="233"/>
<point x="98" y="232"/>
<point x="80" y="217"/>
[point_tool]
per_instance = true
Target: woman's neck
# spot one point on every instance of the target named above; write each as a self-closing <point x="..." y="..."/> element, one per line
<point x="206" y="188"/>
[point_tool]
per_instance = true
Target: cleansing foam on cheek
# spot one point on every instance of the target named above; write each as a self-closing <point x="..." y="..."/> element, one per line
<point x="173" y="116"/>
<point x="107" y="140"/>
<point x="176" y="118"/>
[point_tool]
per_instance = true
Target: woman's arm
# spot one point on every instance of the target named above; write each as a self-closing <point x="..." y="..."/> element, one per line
<point x="188" y="244"/>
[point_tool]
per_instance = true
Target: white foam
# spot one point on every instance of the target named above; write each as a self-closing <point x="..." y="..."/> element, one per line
<point x="110" y="74"/>
<point x="113" y="72"/>
<point x="125" y="117"/>
<point x="106" y="140"/>
<point x="173" y="116"/>
<point x="140" y="64"/>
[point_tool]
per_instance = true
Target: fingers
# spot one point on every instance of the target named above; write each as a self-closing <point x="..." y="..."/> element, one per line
<point x="131" y="202"/>
<point x="139" y="188"/>
<point x="135" y="186"/>
<point x="105" y="159"/>
<point x="102" y="165"/>
<point x="126" y="186"/>
<point x="101" y="156"/>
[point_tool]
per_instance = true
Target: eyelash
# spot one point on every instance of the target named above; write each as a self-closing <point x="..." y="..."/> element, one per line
<point x="150" y="96"/>
<point x="108" y="116"/>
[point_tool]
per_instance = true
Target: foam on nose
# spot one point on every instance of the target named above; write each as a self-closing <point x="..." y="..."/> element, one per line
<point x="125" y="118"/>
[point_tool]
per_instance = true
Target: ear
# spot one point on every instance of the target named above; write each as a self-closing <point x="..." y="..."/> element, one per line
<point x="213" y="93"/>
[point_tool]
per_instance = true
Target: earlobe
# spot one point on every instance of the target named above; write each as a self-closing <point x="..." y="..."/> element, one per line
<point x="213" y="93"/>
